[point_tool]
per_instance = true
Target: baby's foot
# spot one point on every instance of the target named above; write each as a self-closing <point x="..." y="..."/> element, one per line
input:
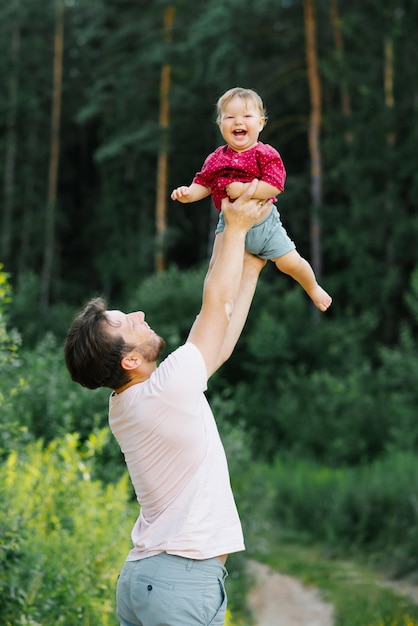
<point x="321" y="299"/>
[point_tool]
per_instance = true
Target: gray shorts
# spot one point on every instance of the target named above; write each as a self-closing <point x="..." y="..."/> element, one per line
<point x="268" y="239"/>
<point x="168" y="589"/>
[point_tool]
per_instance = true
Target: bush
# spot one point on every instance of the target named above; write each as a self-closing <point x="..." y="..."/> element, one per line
<point x="46" y="404"/>
<point x="12" y="380"/>
<point x="171" y="300"/>
<point x="321" y="390"/>
<point x="371" y="509"/>
<point x="26" y="313"/>
<point x="51" y="404"/>
<point x="64" y="536"/>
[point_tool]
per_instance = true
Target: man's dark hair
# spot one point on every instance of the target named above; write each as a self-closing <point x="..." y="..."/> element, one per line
<point x="92" y="355"/>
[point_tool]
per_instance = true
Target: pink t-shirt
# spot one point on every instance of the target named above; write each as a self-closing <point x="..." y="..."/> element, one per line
<point x="176" y="462"/>
<point x="225" y="166"/>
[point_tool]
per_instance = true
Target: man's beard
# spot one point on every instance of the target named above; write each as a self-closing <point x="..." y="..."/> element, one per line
<point x="152" y="349"/>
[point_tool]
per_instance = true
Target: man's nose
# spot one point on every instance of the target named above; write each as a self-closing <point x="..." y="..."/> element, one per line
<point x="139" y="315"/>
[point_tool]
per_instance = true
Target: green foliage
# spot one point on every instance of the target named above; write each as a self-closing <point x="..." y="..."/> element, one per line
<point x="337" y="419"/>
<point x="52" y="404"/>
<point x="39" y="400"/>
<point x="32" y="327"/>
<point x="110" y="141"/>
<point x="12" y="383"/>
<point x="307" y="387"/>
<point x="370" y="509"/>
<point x="47" y="405"/>
<point x="324" y="391"/>
<point x="9" y="340"/>
<point x="63" y="535"/>
<point x="171" y="301"/>
<point x="314" y="389"/>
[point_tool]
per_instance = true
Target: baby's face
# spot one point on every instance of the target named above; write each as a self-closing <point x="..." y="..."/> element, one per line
<point x="241" y="123"/>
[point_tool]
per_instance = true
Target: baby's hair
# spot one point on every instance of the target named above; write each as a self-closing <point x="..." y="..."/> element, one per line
<point x="245" y="94"/>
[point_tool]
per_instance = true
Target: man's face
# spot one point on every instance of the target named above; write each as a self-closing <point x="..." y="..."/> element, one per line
<point x="135" y="331"/>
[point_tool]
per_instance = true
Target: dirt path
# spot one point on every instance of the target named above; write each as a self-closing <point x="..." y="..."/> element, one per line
<point x="403" y="588"/>
<point x="278" y="600"/>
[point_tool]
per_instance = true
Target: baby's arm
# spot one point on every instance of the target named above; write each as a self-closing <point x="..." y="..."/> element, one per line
<point x="264" y="190"/>
<point x="193" y="193"/>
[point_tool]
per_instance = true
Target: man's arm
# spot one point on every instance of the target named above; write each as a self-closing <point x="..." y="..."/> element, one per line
<point x="250" y="274"/>
<point x="221" y="287"/>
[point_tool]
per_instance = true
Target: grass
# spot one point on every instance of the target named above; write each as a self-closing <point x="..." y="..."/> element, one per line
<point x="355" y="591"/>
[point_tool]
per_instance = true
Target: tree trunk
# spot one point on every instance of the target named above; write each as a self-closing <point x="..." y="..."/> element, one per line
<point x="389" y="97"/>
<point x="339" y="46"/>
<point x="162" y="168"/>
<point x="11" y="137"/>
<point x="314" y="133"/>
<point x="54" y="157"/>
<point x="390" y="323"/>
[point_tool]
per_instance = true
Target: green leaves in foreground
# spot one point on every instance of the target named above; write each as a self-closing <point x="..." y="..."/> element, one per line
<point x="64" y="536"/>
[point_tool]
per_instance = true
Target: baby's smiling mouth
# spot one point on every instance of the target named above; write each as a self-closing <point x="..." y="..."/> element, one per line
<point x="240" y="132"/>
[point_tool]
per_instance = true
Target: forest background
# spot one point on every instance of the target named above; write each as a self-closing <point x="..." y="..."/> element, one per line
<point x="107" y="106"/>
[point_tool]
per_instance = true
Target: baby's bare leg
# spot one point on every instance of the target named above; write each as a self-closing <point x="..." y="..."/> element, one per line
<point x="300" y="270"/>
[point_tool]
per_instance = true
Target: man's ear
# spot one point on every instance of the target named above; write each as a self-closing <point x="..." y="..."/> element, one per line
<point x="131" y="361"/>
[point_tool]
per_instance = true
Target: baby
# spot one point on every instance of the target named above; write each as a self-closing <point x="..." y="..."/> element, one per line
<point x="232" y="167"/>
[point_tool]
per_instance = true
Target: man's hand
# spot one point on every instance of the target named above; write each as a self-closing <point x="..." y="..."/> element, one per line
<point x="245" y="211"/>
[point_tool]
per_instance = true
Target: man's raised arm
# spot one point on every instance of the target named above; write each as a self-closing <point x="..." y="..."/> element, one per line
<point x="221" y="287"/>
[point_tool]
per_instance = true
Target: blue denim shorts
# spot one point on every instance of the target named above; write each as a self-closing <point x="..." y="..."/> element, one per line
<point x="171" y="590"/>
<point x="268" y="239"/>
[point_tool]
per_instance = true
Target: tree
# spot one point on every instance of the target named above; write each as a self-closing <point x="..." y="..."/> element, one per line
<point x="54" y="157"/>
<point x="341" y="61"/>
<point x="102" y="218"/>
<point x="161" y="205"/>
<point x="11" y="135"/>
<point x="314" y="134"/>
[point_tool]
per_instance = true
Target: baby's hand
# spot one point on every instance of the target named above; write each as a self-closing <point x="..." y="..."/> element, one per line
<point x="181" y="193"/>
<point x="235" y="189"/>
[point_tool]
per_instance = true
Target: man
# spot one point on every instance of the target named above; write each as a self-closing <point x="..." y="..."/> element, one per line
<point x="188" y="523"/>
